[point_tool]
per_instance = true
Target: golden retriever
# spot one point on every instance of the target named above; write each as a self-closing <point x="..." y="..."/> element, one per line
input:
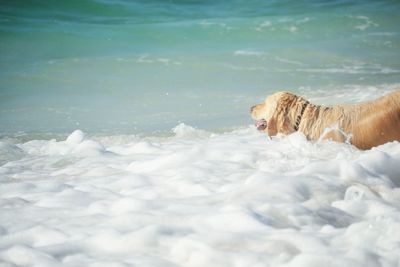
<point x="364" y="125"/>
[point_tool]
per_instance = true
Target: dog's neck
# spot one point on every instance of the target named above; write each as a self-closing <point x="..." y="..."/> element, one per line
<point x="312" y="120"/>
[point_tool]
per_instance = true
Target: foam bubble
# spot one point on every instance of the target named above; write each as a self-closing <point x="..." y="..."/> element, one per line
<point x="76" y="137"/>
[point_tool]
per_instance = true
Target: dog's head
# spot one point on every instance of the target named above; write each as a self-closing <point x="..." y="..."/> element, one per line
<point x="277" y="114"/>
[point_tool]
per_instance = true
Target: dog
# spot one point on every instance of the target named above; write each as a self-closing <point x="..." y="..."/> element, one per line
<point x="364" y="125"/>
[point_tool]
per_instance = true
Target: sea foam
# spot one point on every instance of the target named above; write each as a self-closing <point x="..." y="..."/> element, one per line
<point x="198" y="198"/>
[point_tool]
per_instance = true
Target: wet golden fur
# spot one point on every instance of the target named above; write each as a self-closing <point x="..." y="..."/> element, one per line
<point x="366" y="124"/>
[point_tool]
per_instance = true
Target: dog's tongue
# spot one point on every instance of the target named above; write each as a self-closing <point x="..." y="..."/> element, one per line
<point x="261" y="124"/>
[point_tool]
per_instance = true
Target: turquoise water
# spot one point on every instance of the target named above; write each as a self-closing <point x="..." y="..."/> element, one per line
<point x="129" y="67"/>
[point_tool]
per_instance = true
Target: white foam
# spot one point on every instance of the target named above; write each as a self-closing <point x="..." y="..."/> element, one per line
<point x="367" y="22"/>
<point x="148" y="59"/>
<point x="198" y="199"/>
<point x="352" y="70"/>
<point x="249" y="53"/>
<point x="347" y="93"/>
<point x="284" y="60"/>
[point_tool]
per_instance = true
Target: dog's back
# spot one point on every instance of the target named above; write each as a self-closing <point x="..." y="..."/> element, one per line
<point x="376" y="122"/>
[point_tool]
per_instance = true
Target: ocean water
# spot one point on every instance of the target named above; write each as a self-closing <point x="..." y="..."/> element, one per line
<point x="139" y="67"/>
<point x="126" y="138"/>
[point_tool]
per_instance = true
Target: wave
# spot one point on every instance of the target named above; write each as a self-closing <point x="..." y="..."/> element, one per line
<point x="150" y="200"/>
<point x="351" y="70"/>
<point x="248" y="53"/>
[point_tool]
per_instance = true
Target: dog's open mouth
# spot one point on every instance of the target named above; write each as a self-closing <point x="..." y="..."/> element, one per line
<point x="261" y="124"/>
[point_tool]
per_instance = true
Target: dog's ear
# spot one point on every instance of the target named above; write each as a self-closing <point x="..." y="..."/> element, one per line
<point x="272" y="128"/>
<point x="280" y="122"/>
<point x="284" y="125"/>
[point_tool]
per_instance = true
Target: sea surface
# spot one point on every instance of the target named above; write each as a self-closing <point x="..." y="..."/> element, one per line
<point x="126" y="138"/>
<point x="139" y="67"/>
